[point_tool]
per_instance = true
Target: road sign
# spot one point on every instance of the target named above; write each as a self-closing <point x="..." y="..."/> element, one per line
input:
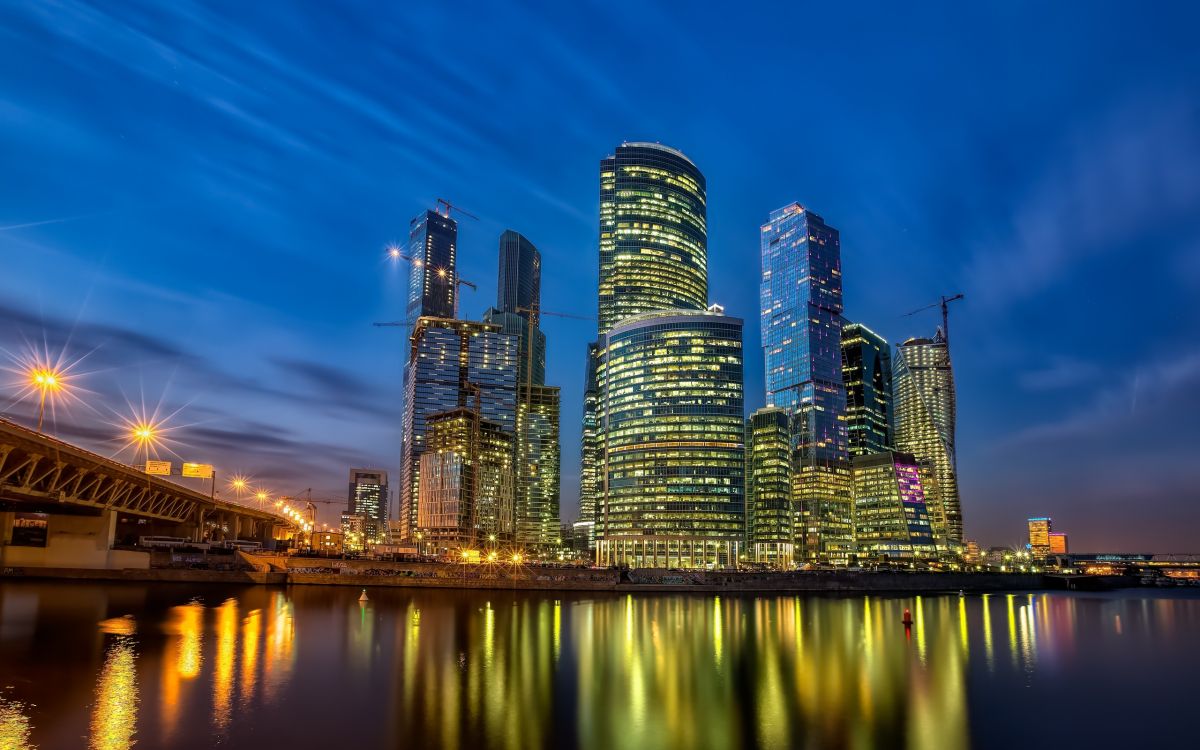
<point x="200" y="471"/>
<point x="159" y="468"/>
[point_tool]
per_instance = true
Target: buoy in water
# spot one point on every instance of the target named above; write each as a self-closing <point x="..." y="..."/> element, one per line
<point x="961" y="593"/>
<point x="364" y="598"/>
<point x="907" y="619"/>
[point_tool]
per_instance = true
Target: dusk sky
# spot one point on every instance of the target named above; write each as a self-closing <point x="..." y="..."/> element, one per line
<point x="198" y="197"/>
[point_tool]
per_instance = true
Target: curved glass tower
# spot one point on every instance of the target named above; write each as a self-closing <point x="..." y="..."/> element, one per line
<point x="671" y="435"/>
<point x="653" y="233"/>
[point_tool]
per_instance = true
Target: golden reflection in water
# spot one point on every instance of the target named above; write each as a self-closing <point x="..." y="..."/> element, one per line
<point x="227" y="627"/>
<point x="717" y="629"/>
<point x="919" y="612"/>
<point x="251" y="630"/>
<point x="988" y="650"/>
<point x="962" y="625"/>
<point x="15" y="727"/>
<point x="280" y="649"/>
<point x="1012" y="628"/>
<point x="114" y="718"/>
<point x="185" y="629"/>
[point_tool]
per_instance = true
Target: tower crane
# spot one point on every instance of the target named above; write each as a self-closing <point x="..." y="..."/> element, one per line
<point x="944" y="304"/>
<point x="450" y="206"/>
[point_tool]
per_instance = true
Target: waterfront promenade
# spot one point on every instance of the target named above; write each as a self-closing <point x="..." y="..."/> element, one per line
<point x="281" y="570"/>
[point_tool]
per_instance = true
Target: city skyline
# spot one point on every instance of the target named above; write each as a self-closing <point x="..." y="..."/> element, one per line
<point x="238" y="296"/>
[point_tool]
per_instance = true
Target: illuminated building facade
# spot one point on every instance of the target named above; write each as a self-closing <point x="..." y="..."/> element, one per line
<point x="867" y="374"/>
<point x="519" y="281"/>
<point x="671" y="441"/>
<point x="770" y="516"/>
<point x="354" y="538"/>
<point x="653" y="233"/>
<point x="801" y="302"/>
<point x="433" y="270"/>
<point x="891" y="520"/>
<point x="1039" y="537"/>
<point x="924" y="420"/>
<point x="538" y="466"/>
<point x="327" y="543"/>
<point x="452" y="363"/>
<point x="800" y="295"/>
<point x="466" y="492"/>
<point x="589" y="449"/>
<point x="369" y="499"/>
<point x="1058" y="543"/>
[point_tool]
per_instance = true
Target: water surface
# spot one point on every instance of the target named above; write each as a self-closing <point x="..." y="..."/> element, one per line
<point x="167" y="665"/>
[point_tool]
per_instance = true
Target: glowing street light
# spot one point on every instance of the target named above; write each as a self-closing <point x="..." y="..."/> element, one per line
<point x="45" y="380"/>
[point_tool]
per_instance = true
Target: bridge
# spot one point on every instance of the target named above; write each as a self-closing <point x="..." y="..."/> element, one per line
<point x="79" y="504"/>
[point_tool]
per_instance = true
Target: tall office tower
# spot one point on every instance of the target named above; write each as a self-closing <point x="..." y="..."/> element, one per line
<point x="653" y="244"/>
<point x="923" y="418"/>
<point x="671" y="440"/>
<point x="519" y="282"/>
<point x="769" y="513"/>
<point x="538" y="466"/>
<point x="891" y="519"/>
<point x="369" y="498"/>
<point x="1058" y="543"/>
<point x="867" y="373"/>
<point x="433" y="270"/>
<point x="1039" y="537"/>
<point x="653" y="233"/>
<point x="466" y="493"/>
<point x="801" y="303"/>
<point x="517" y="312"/>
<point x="452" y="363"/>
<point x="589" y="447"/>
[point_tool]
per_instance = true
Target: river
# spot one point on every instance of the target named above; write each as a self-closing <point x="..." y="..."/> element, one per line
<point x="171" y="665"/>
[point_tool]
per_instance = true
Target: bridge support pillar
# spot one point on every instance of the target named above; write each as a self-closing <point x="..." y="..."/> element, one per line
<point x="72" y="542"/>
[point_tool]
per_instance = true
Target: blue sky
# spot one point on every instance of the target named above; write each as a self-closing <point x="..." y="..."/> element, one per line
<point x="199" y="195"/>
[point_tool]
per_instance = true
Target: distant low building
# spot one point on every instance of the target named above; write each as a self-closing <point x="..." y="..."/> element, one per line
<point x="327" y="543"/>
<point x="1058" y="543"/>
<point x="354" y="537"/>
<point x="1039" y="537"/>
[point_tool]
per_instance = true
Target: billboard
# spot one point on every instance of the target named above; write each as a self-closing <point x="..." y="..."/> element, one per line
<point x="159" y="468"/>
<point x="199" y="471"/>
<point x="29" y="529"/>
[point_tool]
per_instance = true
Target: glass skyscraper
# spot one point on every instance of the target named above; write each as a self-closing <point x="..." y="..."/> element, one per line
<point x="519" y="281"/>
<point x="369" y="499"/>
<point x="924" y="420"/>
<point x="452" y="363"/>
<point x="653" y="244"/>
<point x="891" y="519"/>
<point x="801" y="302"/>
<point x="770" y="515"/>
<point x="867" y="372"/>
<point x="671" y="441"/>
<point x="653" y="233"/>
<point x="801" y="307"/>
<point x="538" y="466"/>
<point x="433" y="271"/>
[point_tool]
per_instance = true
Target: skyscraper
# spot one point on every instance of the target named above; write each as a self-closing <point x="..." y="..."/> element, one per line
<point x="671" y="435"/>
<point x="519" y="281"/>
<point x="891" y="519"/>
<point x="867" y="373"/>
<point x="369" y="499"/>
<point x="924" y="420"/>
<point x="538" y="466"/>
<point x="452" y="363"/>
<point x="653" y="233"/>
<point x="801" y="317"/>
<point x="770" y="516"/>
<point x="433" y="271"/>
<point x="1039" y="537"/>
<point x="653" y="244"/>
<point x="537" y="463"/>
<point x="466" y="492"/>
<point x="589" y="457"/>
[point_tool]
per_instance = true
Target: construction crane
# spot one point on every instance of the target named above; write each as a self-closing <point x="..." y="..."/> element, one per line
<point x="944" y="304"/>
<point x="450" y="206"/>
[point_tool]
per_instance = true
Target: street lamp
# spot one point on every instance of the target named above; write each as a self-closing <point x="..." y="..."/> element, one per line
<point x="45" y="380"/>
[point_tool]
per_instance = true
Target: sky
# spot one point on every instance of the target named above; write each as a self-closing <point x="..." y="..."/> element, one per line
<point x="196" y="198"/>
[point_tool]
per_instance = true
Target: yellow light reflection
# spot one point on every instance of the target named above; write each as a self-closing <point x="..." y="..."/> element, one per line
<point x="14" y="725"/>
<point x="114" y="719"/>
<point x="251" y="628"/>
<point x="227" y="624"/>
<point x="988" y="650"/>
<point x="717" y="630"/>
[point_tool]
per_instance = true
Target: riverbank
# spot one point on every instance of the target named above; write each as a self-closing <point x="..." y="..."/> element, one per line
<point x="279" y="570"/>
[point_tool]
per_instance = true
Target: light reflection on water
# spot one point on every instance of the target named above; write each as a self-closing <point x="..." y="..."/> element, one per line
<point x="260" y="667"/>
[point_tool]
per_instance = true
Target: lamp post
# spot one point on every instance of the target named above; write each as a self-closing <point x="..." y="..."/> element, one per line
<point x="46" y="380"/>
